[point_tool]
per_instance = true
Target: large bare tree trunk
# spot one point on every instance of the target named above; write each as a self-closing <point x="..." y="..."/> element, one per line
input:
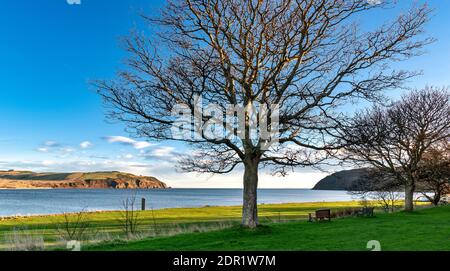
<point x="250" y="208"/>
<point x="409" y="197"/>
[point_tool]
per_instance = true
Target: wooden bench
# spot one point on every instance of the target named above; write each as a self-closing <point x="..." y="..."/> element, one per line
<point x="320" y="215"/>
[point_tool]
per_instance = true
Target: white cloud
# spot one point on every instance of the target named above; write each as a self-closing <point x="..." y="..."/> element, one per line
<point x="141" y="145"/>
<point x="48" y="163"/>
<point x="67" y="150"/>
<point x="56" y="149"/>
<point x="128" y="141"/>
<point x="74" y="2"/>
<point x="51" y="144"/>
<point x="48" y="146"/>
<point x="85" y="144"/>
<point x="124" y="156"/>
<point x="163" y="151"/>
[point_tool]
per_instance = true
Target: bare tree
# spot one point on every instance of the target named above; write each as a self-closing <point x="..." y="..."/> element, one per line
<point x="395" y="139"/>
<point x="388" y="199"/>
<point x="302" y="59"/>
<point x="380" y="186"/>
<point x="73" y="226"/>
<point x="434" y="173"/>
<point x="129" y="217"/>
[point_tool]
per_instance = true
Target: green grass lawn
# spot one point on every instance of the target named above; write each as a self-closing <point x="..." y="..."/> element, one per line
<point x="106" y="225"/>
<point x="426" y="229"/>
<point x="216" y="228"/>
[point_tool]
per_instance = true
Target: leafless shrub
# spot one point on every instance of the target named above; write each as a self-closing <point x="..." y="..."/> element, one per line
<point x="129" y="217"/>
<point x="73" y="226"/>
<point x="387" y="199"/>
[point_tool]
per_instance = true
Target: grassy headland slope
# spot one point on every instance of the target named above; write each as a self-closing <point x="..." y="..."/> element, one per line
<point x="117" y="180"/>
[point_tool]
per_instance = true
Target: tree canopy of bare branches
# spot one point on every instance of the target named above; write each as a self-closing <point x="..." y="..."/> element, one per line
<point x="378" y="185"/>
<point x="434" y="172"/>
<point x="308" y="57"/>
<point x="395" y="139"/>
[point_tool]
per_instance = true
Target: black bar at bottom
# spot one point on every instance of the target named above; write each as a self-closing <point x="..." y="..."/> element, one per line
<point x="223" y="261"/>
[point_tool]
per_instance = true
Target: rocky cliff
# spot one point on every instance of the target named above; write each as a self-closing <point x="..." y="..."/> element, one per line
<point x="93" y="180"/>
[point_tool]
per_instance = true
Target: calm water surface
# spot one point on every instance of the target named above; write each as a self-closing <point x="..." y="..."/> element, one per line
<point x="33" y="202"/>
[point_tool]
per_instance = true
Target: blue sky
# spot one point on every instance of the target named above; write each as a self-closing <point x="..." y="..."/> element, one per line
<point x="52" y="121"/>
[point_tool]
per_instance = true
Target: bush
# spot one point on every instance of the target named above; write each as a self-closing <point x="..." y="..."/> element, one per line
<point x="73" y="227"/>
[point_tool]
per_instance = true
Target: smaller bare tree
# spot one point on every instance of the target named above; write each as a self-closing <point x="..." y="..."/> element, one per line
<point x="388" y="199"/>
<point x="73" y="226"/>
<point x="379" y="186"/>
<point x="435" y="173"/>
<point x="129" y="217"/>
<point x="395" y="139"/>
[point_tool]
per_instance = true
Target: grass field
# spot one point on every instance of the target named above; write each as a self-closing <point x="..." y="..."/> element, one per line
<point x="216" y="228"/>
<point x="426" y="229"/>
<point x="106" y="225"/>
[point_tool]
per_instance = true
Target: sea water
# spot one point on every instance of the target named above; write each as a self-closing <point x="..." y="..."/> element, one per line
<point x="54" y="201"/>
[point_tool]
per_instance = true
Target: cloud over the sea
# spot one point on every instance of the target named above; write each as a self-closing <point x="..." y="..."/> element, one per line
<point x="56" y="148"/>
<point x="161" y="153"/>
<point x="85" y="144"/>
<point x="48" y="146"/>
<point x="128" y="141"/>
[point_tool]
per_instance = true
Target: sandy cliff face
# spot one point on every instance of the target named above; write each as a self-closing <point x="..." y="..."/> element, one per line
<point x="96" y="180"/>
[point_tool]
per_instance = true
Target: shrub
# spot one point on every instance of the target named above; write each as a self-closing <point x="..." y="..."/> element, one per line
<point x="73" y="227"/>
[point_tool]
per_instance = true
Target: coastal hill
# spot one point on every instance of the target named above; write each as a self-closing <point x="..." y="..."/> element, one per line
<point x="341" y="180"/>
<point x="114" y="179"/>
